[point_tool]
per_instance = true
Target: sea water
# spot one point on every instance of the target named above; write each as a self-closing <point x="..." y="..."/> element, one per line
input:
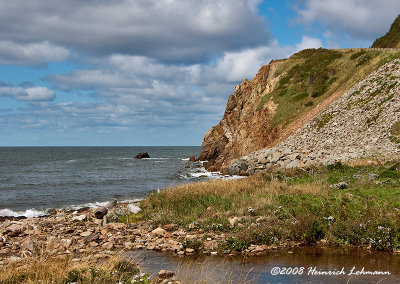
<point x="34" y="179"/>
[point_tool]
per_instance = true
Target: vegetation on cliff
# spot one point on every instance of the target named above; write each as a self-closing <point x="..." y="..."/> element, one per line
<point x="312" y="75"/>
<point x="335" y="205"/>
<point x="392" y="38"/>
<point x="283" y="97"/>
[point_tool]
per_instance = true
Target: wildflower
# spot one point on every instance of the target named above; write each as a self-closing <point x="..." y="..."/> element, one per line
<point x="250" y="210"/>
<point x="330" y="218"/>
<point x="280" y="207"/>
<point x="380" y="228"/>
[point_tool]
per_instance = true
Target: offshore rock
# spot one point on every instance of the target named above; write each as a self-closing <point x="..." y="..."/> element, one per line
<point x="142" y="155"/>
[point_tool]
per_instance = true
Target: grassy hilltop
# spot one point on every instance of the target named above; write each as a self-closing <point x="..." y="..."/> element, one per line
<point x="392" y="38"/>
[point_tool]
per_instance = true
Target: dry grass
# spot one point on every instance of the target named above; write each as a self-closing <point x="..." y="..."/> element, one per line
<point x="212" y="272"/>
<point x="64" y="269"/>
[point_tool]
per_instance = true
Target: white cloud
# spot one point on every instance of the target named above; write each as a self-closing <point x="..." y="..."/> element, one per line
<point x="362" y="19"/>
<point x="308" y="42"/>
<point x="35" y="93"/>
<point x="173" y="30"/>
<point x="31" y="54"/>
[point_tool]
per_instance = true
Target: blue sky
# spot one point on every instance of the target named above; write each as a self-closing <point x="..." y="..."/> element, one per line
<point x="152" y="72"/>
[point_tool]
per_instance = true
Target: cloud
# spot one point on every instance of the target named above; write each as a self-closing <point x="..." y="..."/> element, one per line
<point x="361" y="19"/>
<point x="32" y="93"/>
<point x="31" y="54"/>
<point x="169" y="30"/>
<point x="140" y="91"/>
<point x="308" y="42"/>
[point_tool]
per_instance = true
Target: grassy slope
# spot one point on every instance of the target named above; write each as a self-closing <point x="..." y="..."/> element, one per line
<point x="391" y="38"/>
<point x="298" y="206"/>
<point x="313" y="75"/>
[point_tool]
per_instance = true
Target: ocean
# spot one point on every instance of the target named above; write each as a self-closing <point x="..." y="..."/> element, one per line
<point x="35" y="179"/>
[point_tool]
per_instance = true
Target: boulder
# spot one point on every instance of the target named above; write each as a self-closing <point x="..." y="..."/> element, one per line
<point x="165" y="274"/>
<point x="192" y="159"/>
<point x="133" y="208"/>
<point x="237" y="166"/>
<point x="158" y="232"/>
<point x="142" y="155"/>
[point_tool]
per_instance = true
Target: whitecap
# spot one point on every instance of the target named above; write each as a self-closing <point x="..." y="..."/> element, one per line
<point x="27" y="213"/>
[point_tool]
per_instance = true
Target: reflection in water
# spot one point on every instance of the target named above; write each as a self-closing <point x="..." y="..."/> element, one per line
<point x="258" y="269"/>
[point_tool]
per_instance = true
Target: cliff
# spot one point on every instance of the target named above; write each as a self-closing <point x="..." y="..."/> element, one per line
<point x="243" y="128"/>
<point x="363" y="123"/>
<point x="284" y="96"/>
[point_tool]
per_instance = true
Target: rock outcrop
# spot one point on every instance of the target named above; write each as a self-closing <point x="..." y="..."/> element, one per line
<point x="363" y="123"/>
<point x="242" y="129"/>
<point x="283" y="97"/>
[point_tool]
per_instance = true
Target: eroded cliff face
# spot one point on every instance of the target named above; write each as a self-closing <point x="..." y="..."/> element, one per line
<point x="243" y="128"/>
<point x="283" y="97"/>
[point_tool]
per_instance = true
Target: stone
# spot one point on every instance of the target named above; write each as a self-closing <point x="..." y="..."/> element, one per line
<point x="108" y="245"/>
<point x="189" y="250"/>
<point x="143" y="155"/>
<point x="91" y="238"/>
<point x="341" y="185"/>
<point x="165" y="274"/>
<point x="233" y="220"/>
<point x="14" y="258"/>
<point x="15" y="229"/>
<point x="159" y="232"/>
<point x="128" y="245"/>
<point x="86" y="234"/>
<point x="293" y="164"/>
<point x="134" y="209"/>
<point x="115" y="226"/>
<point x="236" y="166"/>
<point x="192" y="159"/>
<point x="79" y="218"/>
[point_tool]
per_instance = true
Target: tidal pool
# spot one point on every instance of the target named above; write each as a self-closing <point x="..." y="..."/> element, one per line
<point x="303" y="265"/>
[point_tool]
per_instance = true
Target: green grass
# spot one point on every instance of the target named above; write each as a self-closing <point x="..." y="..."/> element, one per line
<point x="312" y="75"/>
<point x="298" y="205"/>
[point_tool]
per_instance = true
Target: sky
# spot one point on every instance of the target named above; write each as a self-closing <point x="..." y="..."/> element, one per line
<point x="153" y="72"/>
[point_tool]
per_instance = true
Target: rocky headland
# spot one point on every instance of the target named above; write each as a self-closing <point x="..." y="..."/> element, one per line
<point x="363" y="123"/>
<point x="317" y="107"/>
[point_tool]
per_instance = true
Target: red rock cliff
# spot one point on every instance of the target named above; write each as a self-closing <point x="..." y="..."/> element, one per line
<point x="243" y="128"/>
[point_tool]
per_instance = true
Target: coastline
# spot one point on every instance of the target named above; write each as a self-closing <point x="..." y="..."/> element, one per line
<point x="334" y="207"/>
<point x="223" y="225"/>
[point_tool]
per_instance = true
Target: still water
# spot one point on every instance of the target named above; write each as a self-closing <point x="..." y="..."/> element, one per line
<point x="260" y="269"/>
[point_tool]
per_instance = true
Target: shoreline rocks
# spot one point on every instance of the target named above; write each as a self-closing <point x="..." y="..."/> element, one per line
<point x="64" y="234"/>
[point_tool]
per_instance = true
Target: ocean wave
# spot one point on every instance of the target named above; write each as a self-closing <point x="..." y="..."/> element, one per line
<point x="202" y="173"/>
<point x="97" y="204"/>
<point x="27" y="213"/>
<point x="38" y="213"/>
